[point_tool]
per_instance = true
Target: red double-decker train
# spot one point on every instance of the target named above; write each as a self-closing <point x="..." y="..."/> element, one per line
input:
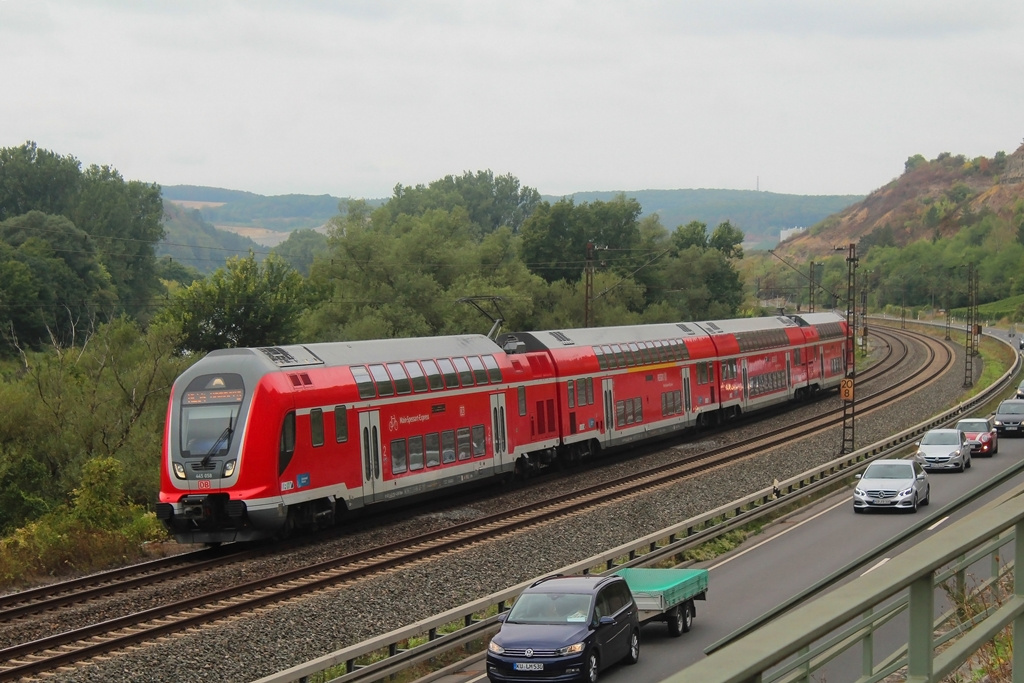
<point x="261" y="441"/>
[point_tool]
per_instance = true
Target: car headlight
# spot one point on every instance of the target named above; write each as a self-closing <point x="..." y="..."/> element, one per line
<point x="573" y="649"/>
<point x="858" y="491"/>
<point x="906" y="491"/>
<point x="495" y="648"/>
<point x="229" y="468"/>
<point x="999" y="423"/>
<point x="179" y="470"/>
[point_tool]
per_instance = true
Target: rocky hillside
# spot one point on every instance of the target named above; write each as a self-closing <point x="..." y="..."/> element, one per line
<point x="932" y="199"/>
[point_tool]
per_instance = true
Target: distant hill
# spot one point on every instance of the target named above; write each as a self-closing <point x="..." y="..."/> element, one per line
<point x="760" y="215"/>
<point x="931" y="200"/>
<point x="192" y="241"/>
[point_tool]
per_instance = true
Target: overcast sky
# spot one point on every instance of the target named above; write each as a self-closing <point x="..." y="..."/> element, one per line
<point x="351" y="98"/>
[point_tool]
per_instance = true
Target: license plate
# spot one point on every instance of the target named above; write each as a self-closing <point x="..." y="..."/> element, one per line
<point x="528" y="666"/>
<point x="883" y="501"/>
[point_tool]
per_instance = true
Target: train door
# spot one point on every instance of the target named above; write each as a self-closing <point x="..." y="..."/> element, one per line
<point x="746" y="384"/>
<point x="369" y="447"/>
<point x="609" y="410"/>
<point x="498" y="431"/>
<point x="687" y="400"/>
<point x="789" y="376"/>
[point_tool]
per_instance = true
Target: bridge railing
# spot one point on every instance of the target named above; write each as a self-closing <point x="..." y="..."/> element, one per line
<point x="799" y="644"/>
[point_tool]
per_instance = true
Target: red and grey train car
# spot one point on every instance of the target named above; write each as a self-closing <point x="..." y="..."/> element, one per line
<point x="262" y="440"/>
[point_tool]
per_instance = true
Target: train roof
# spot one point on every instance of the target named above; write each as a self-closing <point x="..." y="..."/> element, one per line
<point x="595" y="336"/>
<point x="807" y="319"/>
<point x="373" y="351"/>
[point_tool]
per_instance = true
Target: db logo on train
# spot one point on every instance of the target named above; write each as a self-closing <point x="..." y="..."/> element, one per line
<point x="203" y="483"/>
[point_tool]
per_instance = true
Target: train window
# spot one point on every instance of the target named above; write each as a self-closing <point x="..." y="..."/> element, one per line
<point x="433" y="375"/>
<point x="399" y="462"/>
<point x="286" y="446"/>
<point x="796" y="356"/>
<point x="522" y="401"/>
<point x="620" y="413"/>
<point x="340" y="424"/>
<point x="462" y="438"/>
<point x="479" y="441"/>
<point x="601" y="362"/>
<point x="402" y="383"/>
<point x="664" y="404"/>
<point x="711" y="371"/>
<point x="610" y="361"/>
<point x="590" y="391"/>
<point x="448" y="446"/>
<point x="658" y="351"/>
<point x="316" y="426"/>
<point x="620" y="360"/>
<point x="451" y="379"/>
<point x="581" y="393"/>
<point x="479" y="374"/>
<point x="493" y="371"/>
<point x="631" y="354"/>
<point x="465" y="374"/>
<point x="702" y="373"/>
<point x="571" y="390"/>
<point x="363" y="382"/>
<point x="416" y="376"/>
<point x="645" y="354"/>
<point x="638" y="409"/>
<point x="635" y="352"/>
<point x="382" y="380"/>
<point x="415" y="453"/>
<point x="628" y="407"/>
<point x="433" y="450"/>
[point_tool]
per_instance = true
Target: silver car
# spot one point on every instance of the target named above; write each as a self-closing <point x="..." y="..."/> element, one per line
<point x="900" y="484"/>
<point x="944" y="449"/>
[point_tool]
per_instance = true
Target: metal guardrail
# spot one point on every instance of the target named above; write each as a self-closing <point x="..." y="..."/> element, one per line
<point x="465" y="623"/>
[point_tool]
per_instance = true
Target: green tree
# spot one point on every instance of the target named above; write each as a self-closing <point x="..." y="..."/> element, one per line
<point x="727" y="239"/>
<point x="124" y="221"/>
<point x="33" y="179"/>
<point x="693" y="234"/>
<point x="301" y="249"/>
<point x="243" y="304"/>
<point x="51" y="280"/>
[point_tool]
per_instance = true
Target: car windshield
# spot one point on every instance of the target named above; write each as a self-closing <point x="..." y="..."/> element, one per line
<point x="550" y="608"/>
<point x="972" y="425"/>
<point x="940" y="439"/>
<point x="1011" y="409"/>
<point x="889" y="470"/>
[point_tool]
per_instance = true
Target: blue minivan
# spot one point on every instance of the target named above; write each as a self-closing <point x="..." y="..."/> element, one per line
<point x="566" y="628"/>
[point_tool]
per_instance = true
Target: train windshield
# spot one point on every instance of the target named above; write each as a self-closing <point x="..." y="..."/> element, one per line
<point x="209" y="414"/>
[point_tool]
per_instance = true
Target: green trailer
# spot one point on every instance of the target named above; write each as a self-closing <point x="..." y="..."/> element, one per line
<point x="667" y="594"/>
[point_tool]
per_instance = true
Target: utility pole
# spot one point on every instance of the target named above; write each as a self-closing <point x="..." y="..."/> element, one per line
<point x="846" y="385"/>
<point x="810" y="293"/>
<point x="588" y="276"/>
<point x="973" y="326"/>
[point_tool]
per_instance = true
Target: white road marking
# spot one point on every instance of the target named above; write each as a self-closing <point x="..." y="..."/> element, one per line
<point x="935" y="526"/>
<point x="876" y="565"/>
<point x="772" y="538"/>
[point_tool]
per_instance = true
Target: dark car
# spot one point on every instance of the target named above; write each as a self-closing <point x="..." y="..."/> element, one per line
<point x="1008" y="416"/>
<point x="981" y="434"/>
<point x="566" y="628"/>
<point x="1020" y="387"/>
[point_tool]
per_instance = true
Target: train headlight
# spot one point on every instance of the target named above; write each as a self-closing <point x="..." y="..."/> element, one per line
<point x="229" y="468"/>
<point x="179" y="470"/>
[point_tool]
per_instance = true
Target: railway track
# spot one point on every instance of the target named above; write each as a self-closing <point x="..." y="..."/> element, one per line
<point x="44" y="654"/>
